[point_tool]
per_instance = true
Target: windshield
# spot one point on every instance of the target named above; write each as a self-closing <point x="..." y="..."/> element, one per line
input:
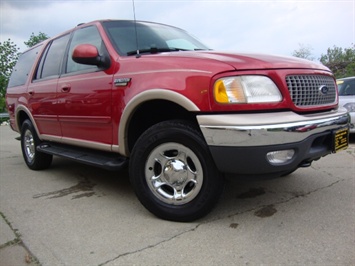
<point x="346" y="87"/>
<point x="149" y="38"/>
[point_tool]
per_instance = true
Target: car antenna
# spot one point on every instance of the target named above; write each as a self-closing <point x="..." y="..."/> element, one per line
<point x="135" y="29"/>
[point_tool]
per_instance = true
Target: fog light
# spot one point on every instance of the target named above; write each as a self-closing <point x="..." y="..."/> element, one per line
<point x="280" y="157"/>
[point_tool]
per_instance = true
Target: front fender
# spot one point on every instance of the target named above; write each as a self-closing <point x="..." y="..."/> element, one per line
<point x="153" y="94"/>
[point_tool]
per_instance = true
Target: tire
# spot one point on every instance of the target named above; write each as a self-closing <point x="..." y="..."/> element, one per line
<point x="34" y="159"/>
<point x="173" y="173"/>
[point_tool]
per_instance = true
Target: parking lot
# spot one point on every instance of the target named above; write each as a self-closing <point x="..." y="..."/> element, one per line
<point x="73" y="214"/>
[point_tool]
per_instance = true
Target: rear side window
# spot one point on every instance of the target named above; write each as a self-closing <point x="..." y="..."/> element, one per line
<point x="23" y="67"/>
<point x="52" y="58"/>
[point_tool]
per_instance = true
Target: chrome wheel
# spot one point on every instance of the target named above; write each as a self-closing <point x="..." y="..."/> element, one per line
<point x="174" y="173"/>
<point x="29" y="145"/>
<point x="35" y="160"/>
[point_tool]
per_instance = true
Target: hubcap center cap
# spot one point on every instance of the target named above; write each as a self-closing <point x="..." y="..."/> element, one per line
<point x="175" y="172"/>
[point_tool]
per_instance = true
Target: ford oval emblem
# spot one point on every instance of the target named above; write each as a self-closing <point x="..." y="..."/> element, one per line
<point x="323" y="90"/>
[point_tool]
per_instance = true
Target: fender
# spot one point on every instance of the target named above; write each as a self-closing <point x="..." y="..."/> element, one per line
<point x="152" y="94"/>
<point x="23" y="108"/>
<point x="42" y="137"/>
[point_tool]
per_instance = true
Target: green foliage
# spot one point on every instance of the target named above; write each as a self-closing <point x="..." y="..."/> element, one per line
<point x="8" y="57"/>
<point x="34" y="39"/>
<point x="2" y="107"/>
<point x="340" y="61"/>
<point x="305" y="52"/>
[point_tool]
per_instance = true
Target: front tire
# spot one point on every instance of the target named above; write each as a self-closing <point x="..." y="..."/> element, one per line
<point x="173" y="173"/>
<point x="34" y="159"/>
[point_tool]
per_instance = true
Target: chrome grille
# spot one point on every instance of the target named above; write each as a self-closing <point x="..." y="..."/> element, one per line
<point x="306" y="90"/>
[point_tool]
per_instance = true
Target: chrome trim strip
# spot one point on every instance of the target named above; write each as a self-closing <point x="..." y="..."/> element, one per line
<point x="241" y="130"/>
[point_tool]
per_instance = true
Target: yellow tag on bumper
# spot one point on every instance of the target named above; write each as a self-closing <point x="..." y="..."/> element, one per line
<point x="341" y="139"/>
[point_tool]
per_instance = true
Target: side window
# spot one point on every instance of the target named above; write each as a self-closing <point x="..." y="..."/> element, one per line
<point x="350" y="88"/>
<point x="52" y="58"/>
<point x="23" y="67"/>
<point x="88" y="35"/>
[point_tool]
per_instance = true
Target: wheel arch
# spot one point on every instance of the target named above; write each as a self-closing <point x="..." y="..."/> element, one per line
<point x="148" y="108"/>
<point x="22" y="114"/>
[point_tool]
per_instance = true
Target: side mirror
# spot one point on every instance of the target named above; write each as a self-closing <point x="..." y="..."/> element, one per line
<point x="88" y="54"/>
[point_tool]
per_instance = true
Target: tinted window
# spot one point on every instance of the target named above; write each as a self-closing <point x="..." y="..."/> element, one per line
<point x="89" y="35"/>
<point x="126" y="36"/>
<point x="23" y="67"/>
<point x="52" y="58"/>
<point x="346" y="87"/>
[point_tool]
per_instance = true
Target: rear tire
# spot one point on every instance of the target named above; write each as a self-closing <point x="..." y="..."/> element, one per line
<point x="173" y="173"/>
<point x="34" y="159"/>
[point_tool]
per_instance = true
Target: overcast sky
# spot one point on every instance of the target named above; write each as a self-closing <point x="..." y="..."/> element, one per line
<point x="277" y="27"/>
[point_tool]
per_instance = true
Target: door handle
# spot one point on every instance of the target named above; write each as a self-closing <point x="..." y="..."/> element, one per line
<point x="65" y="88"/>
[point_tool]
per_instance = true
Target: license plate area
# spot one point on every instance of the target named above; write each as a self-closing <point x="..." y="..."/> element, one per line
<point x="340" y="139"/>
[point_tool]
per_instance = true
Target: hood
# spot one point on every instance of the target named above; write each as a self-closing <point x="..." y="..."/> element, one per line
<point x="244" y="61"/>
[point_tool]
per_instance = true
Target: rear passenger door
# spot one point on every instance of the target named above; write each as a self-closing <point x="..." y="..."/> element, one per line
<point x="84" y="97"/>
<point x="43" y="88"/>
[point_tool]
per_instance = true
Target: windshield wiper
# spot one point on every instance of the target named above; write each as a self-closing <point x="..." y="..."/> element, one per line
<point x="155" y="50"/>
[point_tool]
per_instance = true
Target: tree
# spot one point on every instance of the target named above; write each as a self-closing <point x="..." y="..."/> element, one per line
<point x="340" y="61"/>
<point x="9" y="54"/>
<point x="34" y="39"/>
<point x="305" y="52"/>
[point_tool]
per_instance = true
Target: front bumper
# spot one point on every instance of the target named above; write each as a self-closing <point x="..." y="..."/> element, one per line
<point x="239" y="142"/>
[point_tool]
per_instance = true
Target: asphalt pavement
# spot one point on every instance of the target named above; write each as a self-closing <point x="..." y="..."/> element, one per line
<point x="73" y="214"/>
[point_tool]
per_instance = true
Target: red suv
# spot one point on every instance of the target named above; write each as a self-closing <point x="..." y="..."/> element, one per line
<point x="111" y="93"/>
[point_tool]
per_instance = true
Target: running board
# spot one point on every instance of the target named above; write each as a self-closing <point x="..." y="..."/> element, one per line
<point x="105" y="160"/>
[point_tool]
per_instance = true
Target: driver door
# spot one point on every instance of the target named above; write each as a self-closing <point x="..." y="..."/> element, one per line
<point x="84" y="97"/>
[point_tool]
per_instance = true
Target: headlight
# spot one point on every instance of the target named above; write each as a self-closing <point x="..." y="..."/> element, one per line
<point x="246" y="89"/>
<point x="350" y="107"/>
